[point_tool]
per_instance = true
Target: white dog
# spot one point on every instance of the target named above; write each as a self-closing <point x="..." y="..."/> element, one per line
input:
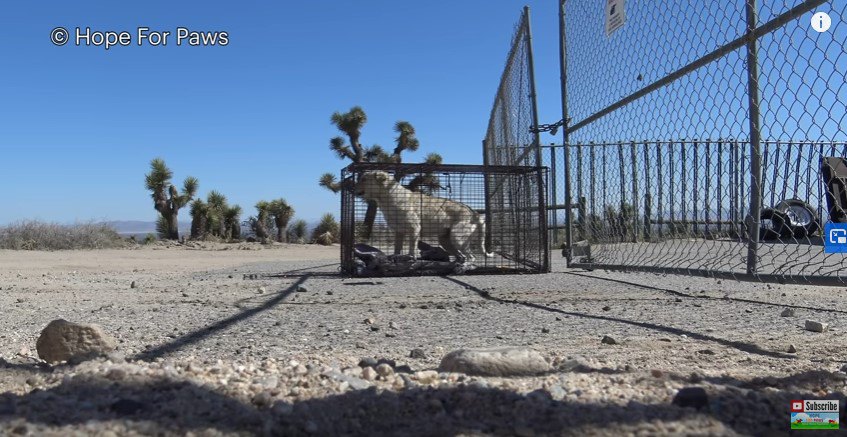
<point x="414" y="216"/>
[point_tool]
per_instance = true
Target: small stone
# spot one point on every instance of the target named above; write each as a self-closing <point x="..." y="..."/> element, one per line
<point x="656" y="373"/>
<point x="262" y="399"/>
<point x="788" y="312"/>
<point x="374" y="328"/>
<point x="403" y="369"/>
<point x="368" y="362"/>
<point x="792" y="349"/>
<point x="545" y="330"/>
<point x="261" y="290"/>
<point x="392" y="325"/>
<point x="65" y="341"/>
<point x="557" y="392"/>
<point x="706" y="352"/>
<point x="426" y="376"/>
<point x="607" y="308"/>
<point x="504" y="361"/>
<point x="302" y="289"/>
<point x="329" y="293"/>
<point x="384" y="370"/>
<point x="815" y="326"/>
<point x="369" y="321"/>
<point x="417" y="354"/>
<point x="843" y="369"/>
<point x="132" y="284"/>
<point x="693" y="397"/>
<point x="354" y="382"/>
<point x="369" y="374"/>
<point x="608" y="340"/>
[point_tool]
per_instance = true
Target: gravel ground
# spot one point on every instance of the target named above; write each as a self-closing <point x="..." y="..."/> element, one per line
<point x="255" y="340"/>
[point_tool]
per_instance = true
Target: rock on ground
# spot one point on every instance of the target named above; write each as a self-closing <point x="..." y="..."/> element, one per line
<point x="503" y="361"/>
<point x="814" y="326"/>
<point x="65" y="341"/>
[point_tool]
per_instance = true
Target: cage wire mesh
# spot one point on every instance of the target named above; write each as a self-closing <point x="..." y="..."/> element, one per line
<point x="448" y="227"/>
<point x="705" y="138"/>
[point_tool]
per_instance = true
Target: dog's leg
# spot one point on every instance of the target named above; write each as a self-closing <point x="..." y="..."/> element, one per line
<point x="414" y="236"/>
<point x="447" y="245"/>
<point x="398" y="243"/>
<point x="460" y="239"/>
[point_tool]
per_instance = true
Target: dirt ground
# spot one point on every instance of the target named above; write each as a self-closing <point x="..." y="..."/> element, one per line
<point x="283" y="313"/>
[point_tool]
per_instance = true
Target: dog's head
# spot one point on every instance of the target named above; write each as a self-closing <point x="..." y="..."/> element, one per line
<point x="372" y="184"/>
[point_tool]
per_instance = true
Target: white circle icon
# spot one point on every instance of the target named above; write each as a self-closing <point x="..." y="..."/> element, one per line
<point x="821" y="21"/>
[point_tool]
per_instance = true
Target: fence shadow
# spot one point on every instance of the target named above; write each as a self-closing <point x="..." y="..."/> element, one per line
<point x="744" y="347"/>
<point x="692" y="296"/>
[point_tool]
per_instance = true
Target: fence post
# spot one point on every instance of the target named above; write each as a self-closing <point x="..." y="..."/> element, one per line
<point x="636" y="230"/>
<point x="563" y="85"/>
<point x="487" y="188"/>
<point x="554" y="196"/>
<point x="754" y="218"/>
<point x="648" y="207"/>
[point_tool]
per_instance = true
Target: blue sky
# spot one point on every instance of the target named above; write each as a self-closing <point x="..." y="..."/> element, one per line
<point x="80" y="124"/>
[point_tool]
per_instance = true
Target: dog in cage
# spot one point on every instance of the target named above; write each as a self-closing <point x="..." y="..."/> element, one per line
<point x="414" y="217"/>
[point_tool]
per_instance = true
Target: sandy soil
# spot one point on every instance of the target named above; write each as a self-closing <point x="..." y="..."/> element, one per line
<point x="206" y="327"/>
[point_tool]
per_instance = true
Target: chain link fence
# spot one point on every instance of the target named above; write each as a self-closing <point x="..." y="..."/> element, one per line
<point x="509" y="139"/>
<point x="703" y="138"/>
<point x="512" y="139"/>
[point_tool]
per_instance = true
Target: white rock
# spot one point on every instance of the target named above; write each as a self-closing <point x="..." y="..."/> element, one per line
<point x="503" y="361"/>
<point x="814" y="326"/>
<point x="426" y="376"/>
<point x="369" y="374"/>
<point x="65" y="341"/>
<point x="384" y="370"/>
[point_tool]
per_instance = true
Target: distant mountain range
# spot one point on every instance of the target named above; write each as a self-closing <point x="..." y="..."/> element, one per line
<point x="141" y="228"/>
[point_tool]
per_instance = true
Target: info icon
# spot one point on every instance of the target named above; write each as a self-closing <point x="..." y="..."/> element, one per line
<point x="821" y="22"/>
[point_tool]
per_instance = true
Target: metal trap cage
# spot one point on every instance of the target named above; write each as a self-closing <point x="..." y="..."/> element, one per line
<point x="420" y="219"/>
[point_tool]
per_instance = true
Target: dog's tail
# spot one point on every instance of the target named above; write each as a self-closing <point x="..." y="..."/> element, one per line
<point x="480" y="237"/>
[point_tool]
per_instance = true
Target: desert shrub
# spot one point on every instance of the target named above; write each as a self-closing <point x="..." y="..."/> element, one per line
<point x="297" y="231"/>
<point x="327" y="231"/>
<point x="38" y="235"/>
<point x="150" y="238"/>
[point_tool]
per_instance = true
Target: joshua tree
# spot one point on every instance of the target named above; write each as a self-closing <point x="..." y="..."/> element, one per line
<point x="281" y="212"/>
<point x="298" y="230"/>
<point x="166" y="199"/>
<point x="351" y="123"/>
<point x="232" y="224"/>
<point x="327" y="231"/>
<point x="260" y="223"/>
<point x="217" y="207"/>
<point x="199" y="219"/>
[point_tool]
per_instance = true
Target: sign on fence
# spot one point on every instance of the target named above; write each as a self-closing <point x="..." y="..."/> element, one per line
<point x="615" y="16"/>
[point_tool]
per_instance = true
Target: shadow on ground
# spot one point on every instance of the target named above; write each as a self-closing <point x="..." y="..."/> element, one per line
<point x="180" y="406"/>
<point x="745" y="347"/>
